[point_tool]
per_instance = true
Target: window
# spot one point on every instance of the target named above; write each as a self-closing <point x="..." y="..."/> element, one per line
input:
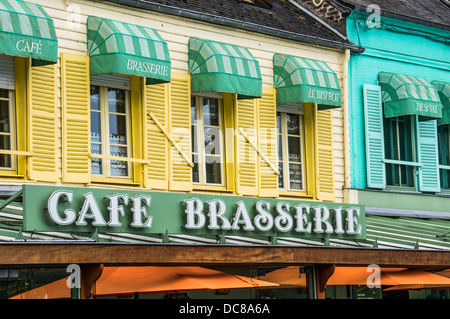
<point x="290" y="138"/>
<point x="399" y="145"/>
<point x="444" y="155"/>
<point x="207" y="140"/>
<point x="110" y="131"/>
<point x="7" y="112"/>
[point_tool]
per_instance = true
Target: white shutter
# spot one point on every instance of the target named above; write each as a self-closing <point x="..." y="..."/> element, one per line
<point x="7" y="79"/>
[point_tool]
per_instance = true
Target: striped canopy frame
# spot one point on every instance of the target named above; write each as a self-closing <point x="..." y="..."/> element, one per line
<point x="121" y="48"/>
<point x="444" y="94"/>
<point x="26" y="30"/>
<point x="300" y="80"/>
<point x="221" y="67"/>
<point x="409" y="95"/>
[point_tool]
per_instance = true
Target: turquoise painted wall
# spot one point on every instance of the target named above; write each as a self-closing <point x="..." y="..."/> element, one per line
<point x="398" y="47"/>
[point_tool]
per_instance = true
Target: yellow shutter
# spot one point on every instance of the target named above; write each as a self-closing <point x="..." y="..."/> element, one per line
<point x="156" y="103"/>
<point x="180" y="131"/>
<point x="324" y="155"/>
<point x="43" y="123"/>
<point x="75" y="96"/>
<point x="246" y="155"/>
<point x="267" y="143"/>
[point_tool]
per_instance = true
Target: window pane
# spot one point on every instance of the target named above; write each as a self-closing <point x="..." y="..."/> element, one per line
<point x="293" y="124"/>
<point x="193" y="110"/>
<point x="119" y="168"/>
<point x="95" y="98"/>
<point x="5" y="144"/>
<point x="444" y="147"/>
<point x="194" y="138"/>
<point x="212" y="140"/>
<point x="4" y="117"/>
<point x="117" y="129"/>
<point x="295" y="176"/>
<point x="195" y="174"/>
<point x="281" y="176"/>
<point x="213" y="170"/>
<point x="4" y="94"/>
<point x="445" y="178"/>
<point x="278" y="123"/>
<point x="211" y="111"/>
<point x="96" y="128"/>
<point x="294" y="149"/>
<point x="116" y="100"/>
<point x="280" y="147"/>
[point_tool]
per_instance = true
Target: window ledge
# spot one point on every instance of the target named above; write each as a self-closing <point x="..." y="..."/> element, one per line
<point x="294" y="194"/>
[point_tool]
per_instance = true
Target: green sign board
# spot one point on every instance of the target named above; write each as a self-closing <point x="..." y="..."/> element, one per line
<point x="78" y="210"/>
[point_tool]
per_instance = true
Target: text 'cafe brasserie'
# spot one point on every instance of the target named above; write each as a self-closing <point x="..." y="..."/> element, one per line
<point x="76" y="209"/>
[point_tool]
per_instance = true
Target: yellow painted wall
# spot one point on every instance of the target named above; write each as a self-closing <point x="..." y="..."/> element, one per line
<point x="70" y="23"/>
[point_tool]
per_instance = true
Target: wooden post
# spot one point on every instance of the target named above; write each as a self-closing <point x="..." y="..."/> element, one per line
<point x="90" y="273"/>
<point x="323" y="273"/>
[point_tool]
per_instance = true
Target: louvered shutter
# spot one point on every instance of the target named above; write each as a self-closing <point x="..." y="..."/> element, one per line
<point x="324" y="155"/>
<point x="373" y="121"/>
<point x="156" y="103"/>
<point x="246" y="155"/>
<point x="75" y="93"/>
<point x="180" y="131"/>
<point x="43" y="126"/>
<point x="267" y="143"/>
<point x="429" y="179"/>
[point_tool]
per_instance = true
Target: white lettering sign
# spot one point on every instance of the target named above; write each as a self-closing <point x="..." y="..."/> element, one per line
<point x="91" y="210"/>
<point x="287" y="219"/>
<point x="324" y="95"/>
<point x="29" y="46"/>
<point x="146" y="67"/>
<point x="425" y="107"/>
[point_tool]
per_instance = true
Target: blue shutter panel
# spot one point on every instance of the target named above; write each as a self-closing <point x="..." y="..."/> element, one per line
<point x="373" y="121"/>
<point x="428" y="156"/>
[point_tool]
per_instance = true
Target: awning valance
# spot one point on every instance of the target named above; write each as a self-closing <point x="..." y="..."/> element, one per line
<point x="409" y="95"/>
<point x="26" y="30"/>
<point x="121" y="48"/>
<point x="300" y="80"/>
<point x="444" y="94"/>
<point x="221" y="67"/>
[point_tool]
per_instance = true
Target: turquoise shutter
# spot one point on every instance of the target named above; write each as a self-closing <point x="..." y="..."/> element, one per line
<point x="373" y="121"/>
<point x="428" y="156"/>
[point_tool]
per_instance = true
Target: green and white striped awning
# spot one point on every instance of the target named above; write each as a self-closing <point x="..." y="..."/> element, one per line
<point x="221" y="67"/>
<point x="444" y="93"/>
<point x="409" y="95"/>
<point x="26" y="30"/>
<point x="121" y="48"/>
<point x="300" y="80"/>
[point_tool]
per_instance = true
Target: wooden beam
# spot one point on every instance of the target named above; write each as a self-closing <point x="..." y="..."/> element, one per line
<point x="323" y="273"/>
<point x="214" y="255"/>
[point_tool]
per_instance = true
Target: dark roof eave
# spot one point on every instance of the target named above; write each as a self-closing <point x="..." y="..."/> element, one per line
<point x="147" y="5"/>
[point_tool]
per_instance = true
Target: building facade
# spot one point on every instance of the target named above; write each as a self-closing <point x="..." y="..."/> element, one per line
<point x="166" y="133"/>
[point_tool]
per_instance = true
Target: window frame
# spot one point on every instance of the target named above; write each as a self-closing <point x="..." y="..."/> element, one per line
<point x="297" y="111"/>
<point x="13" y="130"/>
<point x="105" y="129"/>
<point x="198" y="140"/>
<point x="398" y="164"/>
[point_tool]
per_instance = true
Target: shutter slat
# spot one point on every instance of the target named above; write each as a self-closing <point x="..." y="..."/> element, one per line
<point x="246" y="157"/>
<point x="429" y="179"/>
<point x="267" y="143"/>
<point x="180" y="130"/>
<point x="156" y="142"/>
<point x="75" y="118"/>
<point x="43" y="125"/>
<point x="373" y="118"/>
